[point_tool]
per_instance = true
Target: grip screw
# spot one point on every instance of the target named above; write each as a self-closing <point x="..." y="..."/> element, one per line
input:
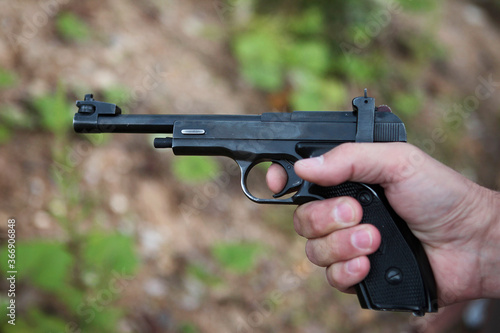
<point x="365" y="198"/>
<point x="394" y="276"/>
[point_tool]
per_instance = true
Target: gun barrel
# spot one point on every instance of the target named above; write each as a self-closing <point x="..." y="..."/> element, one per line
<point x="84" y="123"/>
<point x="100" y="117"/>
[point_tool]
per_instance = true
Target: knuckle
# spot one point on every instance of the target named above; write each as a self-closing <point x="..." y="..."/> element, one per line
<point x="296" y="224"/>
<point x="318" y="251"/>
<point x="334" y="250"/>
<point x="316" y="223"/>
<point x="320" y="218"/>
<point x="310" y="219"/>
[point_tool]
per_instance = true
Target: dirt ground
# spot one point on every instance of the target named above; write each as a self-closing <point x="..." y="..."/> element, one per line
<point x="174" y="58"/>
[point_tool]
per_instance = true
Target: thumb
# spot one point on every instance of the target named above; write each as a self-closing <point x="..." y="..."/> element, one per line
<point x="372" y="163"/>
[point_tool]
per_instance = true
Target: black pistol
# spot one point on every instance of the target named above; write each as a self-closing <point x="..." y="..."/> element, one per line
<point x="400" y="278"/>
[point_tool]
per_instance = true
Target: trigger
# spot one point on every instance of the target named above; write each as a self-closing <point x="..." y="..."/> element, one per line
<point x="293" y="181"/>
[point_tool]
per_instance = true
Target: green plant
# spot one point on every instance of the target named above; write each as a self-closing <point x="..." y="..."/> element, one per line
<point x="421" y="6"/>
<point x="56" y="269"/>
<point x="268" y="50"/>
<point x="280" y="50"/>
<point x="82" y="275"/>
<point x="194" y="169"/>
<point x="117" y="94"/>
<point x="71" y="27"/>
<point x="317" y="94"/>
<point x="237" y="257"/>
<point x="11" y="119"/>
<point x="261" y="55"/>
<point x="8" y="79"/>
<point x="5" y="134"/>
<point x="409" y="103"/>
<point x="55" y="111"/>
<point x="186" y="327"/>
<point x="200" y="273"/>
<point x="318" y="49"/>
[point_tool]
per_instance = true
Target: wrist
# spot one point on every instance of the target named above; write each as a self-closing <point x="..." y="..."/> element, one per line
<point x="490" y="250"/>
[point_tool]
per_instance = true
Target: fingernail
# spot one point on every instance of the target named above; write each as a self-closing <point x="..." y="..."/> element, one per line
<point x="343" y="212"/>
<point x="353" y="266"/>
<point x="310" y="162"/>
<point x="362" y="239"/>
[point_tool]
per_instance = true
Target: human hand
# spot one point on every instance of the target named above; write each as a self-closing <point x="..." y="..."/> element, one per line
<point x="455" y="219"/>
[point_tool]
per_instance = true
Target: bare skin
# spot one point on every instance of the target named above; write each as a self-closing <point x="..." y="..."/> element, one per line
<point x="457" y="221"/>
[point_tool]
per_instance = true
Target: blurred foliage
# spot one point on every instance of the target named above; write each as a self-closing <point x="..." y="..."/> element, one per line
<point x="55" y="111"/>
<point x="8" y="79"/>
<point x="421" y="5"/>
<point x="14" y="117"/>
<point x="319" y="49"/>
<point x="115" y="252"/>
<point x="408" y="103"/>
<point x="39" y="270"/>
<point x="71" y="27"/>
<point x="11" y="119"/>
<point x="274" y="53"/>
<point x="52" y="267"/>
<point x="200" y="273"/>
<point x="5" y="133"/>
<point x="186" y="327"/>
<point x="237" y="257"/>
<point x="194" y="169"/>
<point x="117" y="94"/>
<point x="81" y="276"/>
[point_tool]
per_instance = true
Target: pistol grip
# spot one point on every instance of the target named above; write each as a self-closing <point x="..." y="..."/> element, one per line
<point x="400" y="277"/>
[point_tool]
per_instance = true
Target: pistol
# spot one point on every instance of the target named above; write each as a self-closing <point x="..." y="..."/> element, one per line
<point x="400" y="277"/>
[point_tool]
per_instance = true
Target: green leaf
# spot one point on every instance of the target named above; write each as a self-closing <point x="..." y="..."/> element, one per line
<point x="55" y="111"/>
<point x="315" y="94"/>
<point x="237" y="257"/>
<point x="200" y="273"/>
<point x="37" y="321"/>
<point x="71" y="27"/>
<point x="117" y="94"/>
<point x="8" y="78"/>
<point x="313" y="56"/>
<point x="310" y="22"/>
<point x="45" y="264"/>
<point x="334" y="94"/>
<point x="105" y="320"/>
<point x="186" y="327"/>
<point x="407" y="103"/>
<point x="419" y="6"/>
<point x="194" y="169"/>
<point x="5" y="134"/>
<point x="261" y="57"/>
<point x="362" y="70"/>
<point x="107" y="253"/>
<point x="71" y="296"/>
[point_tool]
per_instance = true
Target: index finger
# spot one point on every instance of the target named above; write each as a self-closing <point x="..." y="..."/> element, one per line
<point x="276" y="178"/>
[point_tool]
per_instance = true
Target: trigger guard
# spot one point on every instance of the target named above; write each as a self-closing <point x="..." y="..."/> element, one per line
<point x="293" y="181"/>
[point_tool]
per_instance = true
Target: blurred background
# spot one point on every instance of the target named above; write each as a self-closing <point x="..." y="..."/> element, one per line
<point x="113" y="236"/>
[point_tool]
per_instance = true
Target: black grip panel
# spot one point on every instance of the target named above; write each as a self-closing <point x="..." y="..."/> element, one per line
<point x="400" y="277"/>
